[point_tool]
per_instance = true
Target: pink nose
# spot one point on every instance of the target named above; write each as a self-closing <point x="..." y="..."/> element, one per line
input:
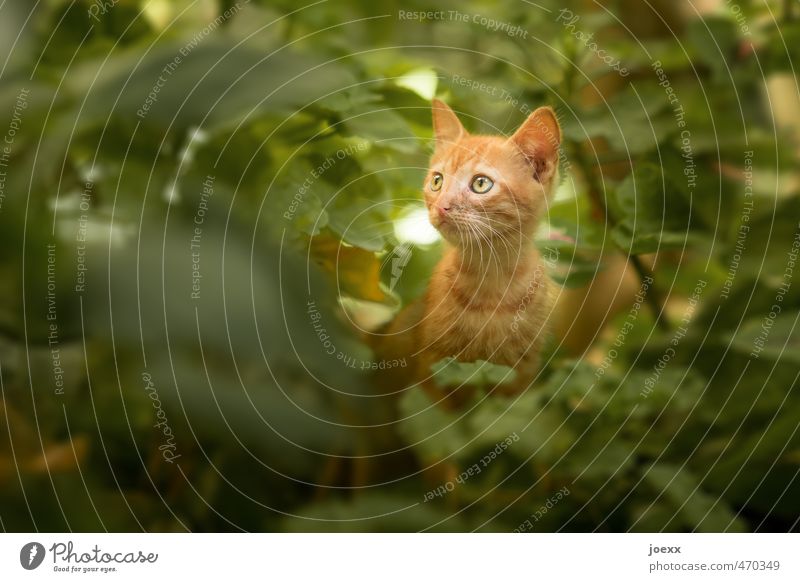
<point x="443" y="210"/>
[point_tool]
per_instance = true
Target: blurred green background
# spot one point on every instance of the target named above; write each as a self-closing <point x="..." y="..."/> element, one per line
<point x="206" y="206"/>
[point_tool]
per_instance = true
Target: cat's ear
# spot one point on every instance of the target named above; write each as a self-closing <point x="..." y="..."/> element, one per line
<point x="447" y="129"/>
<point x="539" y="138"/>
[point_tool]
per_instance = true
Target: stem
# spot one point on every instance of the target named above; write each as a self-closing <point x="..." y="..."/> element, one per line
<point x="599" y="209"/>
<point x="602" y="213"/>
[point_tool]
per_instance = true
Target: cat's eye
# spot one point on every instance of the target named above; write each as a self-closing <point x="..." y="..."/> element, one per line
<point x="436" y="181"/>
<point x="481" y="184"/>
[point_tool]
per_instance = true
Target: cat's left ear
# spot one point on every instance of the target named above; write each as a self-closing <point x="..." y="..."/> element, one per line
<point x="539" y="139"/>
<point x="447" y="129"/>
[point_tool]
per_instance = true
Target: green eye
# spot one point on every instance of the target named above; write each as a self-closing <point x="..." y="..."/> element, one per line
<point x="436" y="181"/>
<point x="481" y="184"/>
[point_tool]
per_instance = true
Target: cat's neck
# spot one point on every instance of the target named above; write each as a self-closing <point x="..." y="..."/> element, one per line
<point x="480" y="267"/>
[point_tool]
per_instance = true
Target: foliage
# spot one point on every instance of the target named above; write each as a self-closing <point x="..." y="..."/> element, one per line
<point x="299" y="138"/>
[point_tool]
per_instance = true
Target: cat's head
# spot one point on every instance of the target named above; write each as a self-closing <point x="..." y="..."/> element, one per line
<point x="489" y="188"/>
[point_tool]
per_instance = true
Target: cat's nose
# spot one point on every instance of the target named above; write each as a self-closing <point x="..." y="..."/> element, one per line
<point x="443" y="210"/>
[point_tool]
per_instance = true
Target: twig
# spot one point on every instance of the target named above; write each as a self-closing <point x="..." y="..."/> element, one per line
<point x="602" y="213"/>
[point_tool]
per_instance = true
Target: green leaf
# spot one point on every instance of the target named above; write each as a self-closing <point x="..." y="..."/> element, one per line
<point x="651" y="212"/>
<point x="215" y="83"/>
<point x="360" y="214"/>
<point x="693" y="507"/>
<point x="436" y="434"/>
<point x="543" y="435"/>
<point x="714" y="40"/>
<point x="373" y="512"/>
<point x="300" y="199"/>
<point x="483" y="374"/>
<point x="383" y="127"/>
<point x="776" y="339"/>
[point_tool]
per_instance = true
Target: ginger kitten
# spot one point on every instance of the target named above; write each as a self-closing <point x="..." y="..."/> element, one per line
<point x="489" y="297"/>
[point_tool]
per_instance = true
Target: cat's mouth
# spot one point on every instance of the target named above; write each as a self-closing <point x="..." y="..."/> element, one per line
<point x="453" y="228"/>
<point x="457" y="227"/>
<point x="444" y="222"/>
<point x="446" y="227"/>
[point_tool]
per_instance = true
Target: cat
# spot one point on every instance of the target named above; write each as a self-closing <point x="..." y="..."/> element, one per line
<point x="489" y="297"/>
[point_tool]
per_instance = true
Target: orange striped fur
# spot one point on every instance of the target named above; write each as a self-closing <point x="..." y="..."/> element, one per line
<point x="489" y="297"/>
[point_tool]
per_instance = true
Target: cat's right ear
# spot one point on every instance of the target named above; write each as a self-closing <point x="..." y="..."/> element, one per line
<point x="539" y="139"/>
<point x="447" y="129"/>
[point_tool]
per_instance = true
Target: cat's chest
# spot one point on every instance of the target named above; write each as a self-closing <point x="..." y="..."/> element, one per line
<point x="495" y="324"/>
